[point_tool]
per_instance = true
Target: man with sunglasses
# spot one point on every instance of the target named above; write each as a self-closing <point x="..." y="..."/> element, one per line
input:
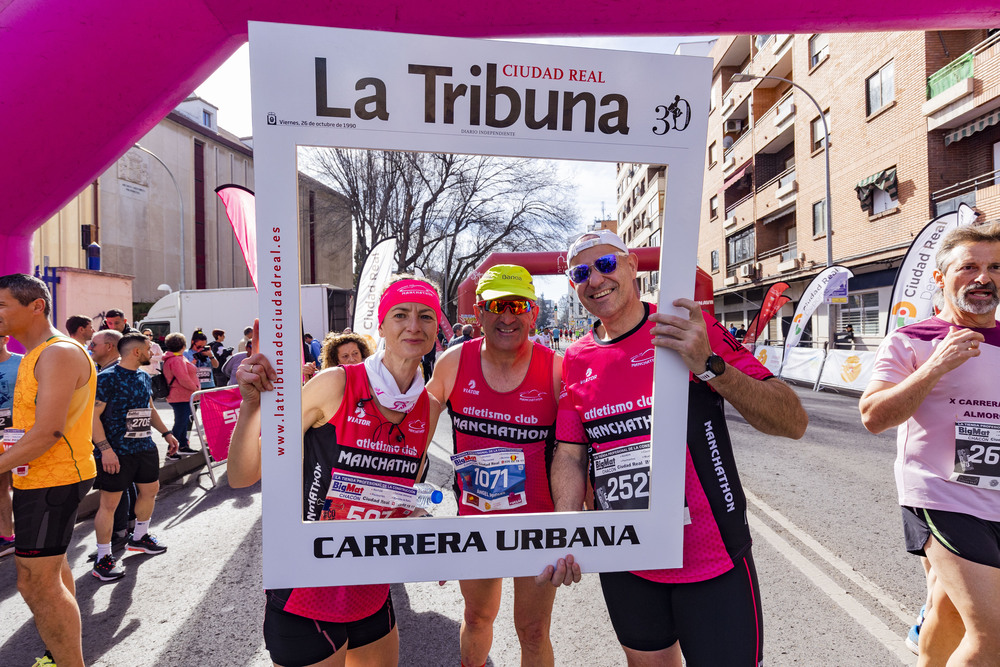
<point x="103" y="348"/>
<point x="658" y="614"/>
<point x="502" y="393"/>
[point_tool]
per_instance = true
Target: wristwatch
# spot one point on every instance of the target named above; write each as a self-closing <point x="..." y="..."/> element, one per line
<point x="714" y="366"/>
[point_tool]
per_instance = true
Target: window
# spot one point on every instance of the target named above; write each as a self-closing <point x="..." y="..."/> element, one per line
<point x="713" y="207"/>
<point x="881" y="88"/>
<point x="861" y="312"/>
<point x="740" y="247"/>
<point x="819" y="218"/>
<point x="882" y="201"/>
<point x="996" y="162"/>
<point x="816" y="130"/>
<point x="713" y="154"/>
<point x="206" y="118"/>
<point x="715" y="260"/>
<point x="819" y="49"/>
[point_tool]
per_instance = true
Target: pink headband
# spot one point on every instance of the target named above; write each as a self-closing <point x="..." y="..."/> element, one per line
<point x="409" y="291"/>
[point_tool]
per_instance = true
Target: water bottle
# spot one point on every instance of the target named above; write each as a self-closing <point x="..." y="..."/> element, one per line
<point x="10" y="438"/>
<point x="427" y="495"/>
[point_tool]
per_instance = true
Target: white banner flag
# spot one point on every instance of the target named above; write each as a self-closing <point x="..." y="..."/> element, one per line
<point x="374" y="276"/>
<point x="811" y="298"/>
<point x="914" y="289"/>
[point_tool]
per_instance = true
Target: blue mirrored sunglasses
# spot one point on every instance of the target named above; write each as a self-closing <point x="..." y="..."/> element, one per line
<point x="605" y="264"/>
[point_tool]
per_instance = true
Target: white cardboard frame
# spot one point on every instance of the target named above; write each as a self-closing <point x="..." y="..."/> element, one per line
<point x="285" y="102"/>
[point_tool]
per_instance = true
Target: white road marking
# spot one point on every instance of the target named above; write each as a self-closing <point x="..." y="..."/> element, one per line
<point x="892" y="642"/>
<point x="838" y="564"/>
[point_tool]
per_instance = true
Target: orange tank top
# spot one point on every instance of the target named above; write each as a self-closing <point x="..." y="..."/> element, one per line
<point x="71" y="458"/>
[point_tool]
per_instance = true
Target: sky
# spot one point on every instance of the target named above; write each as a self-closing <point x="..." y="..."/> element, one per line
<point x="229" y="90"/>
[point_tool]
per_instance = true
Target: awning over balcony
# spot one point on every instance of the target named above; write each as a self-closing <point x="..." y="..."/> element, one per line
<point x="884" y="180"/>
<point x="971" y="128"/>
<point x="738" y="175"/>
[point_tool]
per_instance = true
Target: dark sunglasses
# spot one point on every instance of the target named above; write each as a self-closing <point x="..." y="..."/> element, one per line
<point x="498" y="306"/>
<point x="605" y="264"/>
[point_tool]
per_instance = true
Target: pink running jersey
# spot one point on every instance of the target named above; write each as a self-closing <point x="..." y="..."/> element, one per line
<point x="520" y="419"/>
<point x="606" y="404"/>
<point x="358" y="441"/>
<point x="945" y="451"/>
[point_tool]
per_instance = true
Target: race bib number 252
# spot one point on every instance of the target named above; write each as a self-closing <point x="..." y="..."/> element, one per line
<point x="621" y="477"/>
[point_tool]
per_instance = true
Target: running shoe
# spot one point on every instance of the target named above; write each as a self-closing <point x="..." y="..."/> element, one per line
<point x="173" y="457"/>
<point x="146" y="544"/>
<point x="45" y="661"/>
<point x="913" y="638"/>
<point x="107" y="569"/>
<point x="186" y="451"/>
<point x="118" y="544"/>
<point x="6" y="546"/>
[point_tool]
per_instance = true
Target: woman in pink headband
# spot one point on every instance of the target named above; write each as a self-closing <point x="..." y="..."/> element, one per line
<point x="361" y="420"/>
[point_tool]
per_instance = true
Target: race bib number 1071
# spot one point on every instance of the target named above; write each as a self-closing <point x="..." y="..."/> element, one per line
<point x="491" y="479"/>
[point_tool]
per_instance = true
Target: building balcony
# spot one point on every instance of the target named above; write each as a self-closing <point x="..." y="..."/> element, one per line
<point x="738" y="154"/>
<point x="739" y="214"/>
<point x="776" y="127"/>
<point x="965" y="88"/>
<point x="777" y="195"/>
<point x="736" y="95"/>
<point x="783" y="259"/>
<point x="976" y="191"/>
<point x="774" y="58"/>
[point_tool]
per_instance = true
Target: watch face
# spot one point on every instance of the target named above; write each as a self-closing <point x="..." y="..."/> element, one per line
<point x="716" y="364"/>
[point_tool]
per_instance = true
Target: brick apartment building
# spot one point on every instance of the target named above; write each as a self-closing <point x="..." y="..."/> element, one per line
<point x="914" y="124"/>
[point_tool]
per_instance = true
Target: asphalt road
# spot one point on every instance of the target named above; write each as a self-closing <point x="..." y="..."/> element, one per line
<point x="837" y="587"/>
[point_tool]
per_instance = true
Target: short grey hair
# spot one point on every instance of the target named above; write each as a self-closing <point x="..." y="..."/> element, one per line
<point x="964" y="236"/>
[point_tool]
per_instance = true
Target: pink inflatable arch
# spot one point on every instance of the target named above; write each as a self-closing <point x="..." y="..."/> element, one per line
<point x="82" y="80"/>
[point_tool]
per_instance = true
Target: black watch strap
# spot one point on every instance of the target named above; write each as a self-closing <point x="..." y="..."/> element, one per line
<point x="714" y="367"/>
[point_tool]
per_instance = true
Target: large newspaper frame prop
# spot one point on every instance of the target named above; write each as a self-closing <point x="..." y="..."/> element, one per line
<point x="355" y="89"/>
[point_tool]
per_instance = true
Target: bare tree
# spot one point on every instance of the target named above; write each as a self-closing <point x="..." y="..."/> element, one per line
<point x="448" y="212"/>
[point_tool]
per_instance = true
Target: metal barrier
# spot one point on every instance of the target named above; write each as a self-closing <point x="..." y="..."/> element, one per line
<point x="822" y="367"/>
<point x="224" y="402"/>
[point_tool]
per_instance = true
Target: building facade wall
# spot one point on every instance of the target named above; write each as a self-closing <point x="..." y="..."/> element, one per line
<point x="138" y="213"/>
<point x="325" y="235"/>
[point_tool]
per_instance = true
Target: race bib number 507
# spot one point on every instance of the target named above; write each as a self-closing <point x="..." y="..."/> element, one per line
<point x="351" y="497"/>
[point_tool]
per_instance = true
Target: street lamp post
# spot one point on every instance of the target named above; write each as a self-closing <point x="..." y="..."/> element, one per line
<point x="180" y="200"/>
<point x="827" y="204"/>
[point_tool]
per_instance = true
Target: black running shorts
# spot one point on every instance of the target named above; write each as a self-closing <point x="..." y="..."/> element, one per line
<point x="140" y="468"/>
<point x="964" y="535"/>
<point x="297" y="641"/>
<point x="717" y="622"/>
<point x="44" y="518"/>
